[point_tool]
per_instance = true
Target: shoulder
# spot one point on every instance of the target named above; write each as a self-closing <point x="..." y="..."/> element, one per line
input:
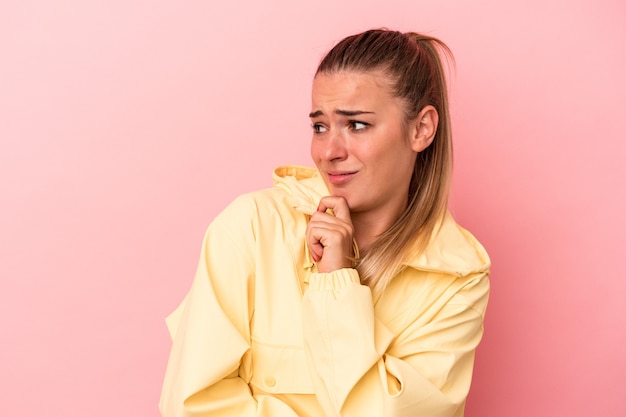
<point x="255" y="215"/>
<point x="296" y="192"/>
<point x="452" y="249"/>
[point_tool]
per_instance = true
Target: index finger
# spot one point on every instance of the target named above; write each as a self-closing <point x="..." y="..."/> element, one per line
<point x="338" y="205"/>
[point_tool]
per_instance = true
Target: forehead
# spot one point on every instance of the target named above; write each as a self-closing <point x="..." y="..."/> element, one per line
<point x="351" y="89"/>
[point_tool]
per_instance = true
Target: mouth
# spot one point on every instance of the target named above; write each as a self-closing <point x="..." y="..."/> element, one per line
<point x="340" y="177"/>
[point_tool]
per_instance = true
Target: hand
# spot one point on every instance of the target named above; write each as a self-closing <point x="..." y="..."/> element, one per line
<point x="329" y="237"/>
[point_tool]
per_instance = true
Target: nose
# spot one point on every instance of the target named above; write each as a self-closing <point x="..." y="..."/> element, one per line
<point x="335" y="146"/>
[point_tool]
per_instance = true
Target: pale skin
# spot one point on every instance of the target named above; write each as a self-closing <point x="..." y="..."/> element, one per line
<point x="365" y="151"/>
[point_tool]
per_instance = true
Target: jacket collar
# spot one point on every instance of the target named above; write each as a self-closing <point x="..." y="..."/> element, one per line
<point x="304" y="185"/>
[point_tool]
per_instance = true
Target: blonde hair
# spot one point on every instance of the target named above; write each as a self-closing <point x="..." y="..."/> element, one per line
<point x="413" y="64"/>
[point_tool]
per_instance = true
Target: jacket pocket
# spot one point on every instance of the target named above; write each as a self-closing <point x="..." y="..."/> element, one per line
<point x="280" y="369"/>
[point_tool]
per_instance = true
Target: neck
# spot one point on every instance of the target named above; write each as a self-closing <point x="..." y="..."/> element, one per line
<point x="368" y="226"/>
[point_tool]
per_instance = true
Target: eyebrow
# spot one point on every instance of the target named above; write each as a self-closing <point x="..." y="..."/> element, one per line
<point x="348" y="113"/>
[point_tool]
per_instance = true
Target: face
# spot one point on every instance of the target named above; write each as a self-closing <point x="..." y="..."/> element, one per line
<point x="361" y="144"/>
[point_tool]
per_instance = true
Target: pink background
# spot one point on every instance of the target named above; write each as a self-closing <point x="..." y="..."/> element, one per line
<point x="125" y="126"/>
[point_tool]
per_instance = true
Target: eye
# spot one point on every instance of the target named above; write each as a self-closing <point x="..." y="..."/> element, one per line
<point x="356" y="125"/>
<point x="318" y="128"/>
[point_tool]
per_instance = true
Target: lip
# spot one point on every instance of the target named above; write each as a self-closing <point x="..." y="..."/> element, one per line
<point x="340" y="177"/>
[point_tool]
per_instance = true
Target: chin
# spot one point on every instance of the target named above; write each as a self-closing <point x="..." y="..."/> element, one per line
<point x="338" y="192"/>
<point x="353" y="203"/>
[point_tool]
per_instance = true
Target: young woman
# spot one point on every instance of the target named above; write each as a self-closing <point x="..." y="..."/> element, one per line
<point x="346" y="290"/>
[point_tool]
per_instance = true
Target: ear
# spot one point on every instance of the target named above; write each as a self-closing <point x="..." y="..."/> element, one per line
<point x="424" y="128"/>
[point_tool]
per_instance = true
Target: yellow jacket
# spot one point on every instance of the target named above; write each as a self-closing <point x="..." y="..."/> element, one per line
<point x="261" y="333"/>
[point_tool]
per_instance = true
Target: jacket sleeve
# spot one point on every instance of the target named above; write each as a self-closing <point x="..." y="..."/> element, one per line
<point x="362" y="368"/>
<point x="210" y="330"/>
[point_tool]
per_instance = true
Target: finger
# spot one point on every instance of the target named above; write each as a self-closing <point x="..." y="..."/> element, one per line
<point x="329" y="243"/>
<point x="316" y="248"/>
<point x="338" y="205"/>
<point x="327" y="225"/>
<point x="323" y="236"/>
<point x="314" y="238"/>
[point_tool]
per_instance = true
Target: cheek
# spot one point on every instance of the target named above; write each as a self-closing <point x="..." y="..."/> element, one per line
<point x="314" y="151"/>
<point x="399" y="159"/>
